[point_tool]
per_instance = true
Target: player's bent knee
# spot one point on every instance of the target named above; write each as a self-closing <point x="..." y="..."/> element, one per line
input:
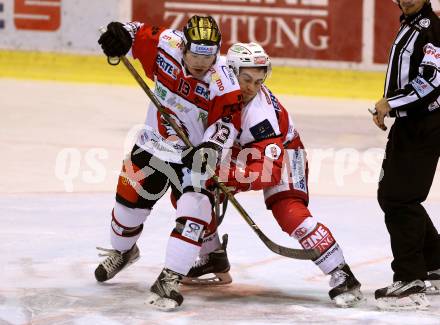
<point x="129" y="217"/>
<point x="195" y="205"/>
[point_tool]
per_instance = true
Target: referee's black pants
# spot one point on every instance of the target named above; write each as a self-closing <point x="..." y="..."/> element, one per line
<point x="408" y="170"/>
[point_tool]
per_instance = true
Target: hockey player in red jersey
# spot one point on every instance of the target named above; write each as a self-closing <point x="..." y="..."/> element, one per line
<point x="194" y="85"/>
<point x="278" y="166"/>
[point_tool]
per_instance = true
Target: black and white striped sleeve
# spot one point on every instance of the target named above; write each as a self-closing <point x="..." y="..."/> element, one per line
<point x="422" y="90"/>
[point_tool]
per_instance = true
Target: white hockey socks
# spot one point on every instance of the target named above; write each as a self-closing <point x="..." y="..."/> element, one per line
<point x="126" y="226"/>
<point x="312" y="234"/>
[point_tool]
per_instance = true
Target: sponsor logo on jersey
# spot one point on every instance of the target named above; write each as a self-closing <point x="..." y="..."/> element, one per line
<point x="274" y="101"/>
<point x="125" y="180"/>
<point x="161" y="91"/>
<point x="167" y="66"/>
<point x="421" y="87"/>
<point x="172" y="42"/>
<point x="202" y="91"/>
<point x="432" y="56"/>
<point x="218" y="81"/>
<point x="228" y="74"/>
<point x="172" y="101"/>
<point x="432" y="50"/>
<point x="297" y="165"/>
<point x="202" y="117"/>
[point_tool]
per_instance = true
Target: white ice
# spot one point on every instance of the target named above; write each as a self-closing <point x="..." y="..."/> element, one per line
<point x="48" y="236"/>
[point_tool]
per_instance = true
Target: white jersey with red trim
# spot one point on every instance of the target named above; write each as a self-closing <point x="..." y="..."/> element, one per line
<point x="207" y="110"/>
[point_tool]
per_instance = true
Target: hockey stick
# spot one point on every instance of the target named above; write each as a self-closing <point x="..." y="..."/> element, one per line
<point x="301" y="254"/>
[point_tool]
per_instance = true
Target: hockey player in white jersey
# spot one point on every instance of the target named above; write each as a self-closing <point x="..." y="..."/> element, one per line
<point x="278" y="158"/>
<point x="197" y="89"/>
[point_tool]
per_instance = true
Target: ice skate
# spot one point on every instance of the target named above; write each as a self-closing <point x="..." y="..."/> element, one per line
<point x="402" y="295"/>
<point x="164" y="293"/>
<point x="115" y="262"/>
<point x="345" y="290"/>
<point x="211" y="269"/>
<point x="432" y="283"/>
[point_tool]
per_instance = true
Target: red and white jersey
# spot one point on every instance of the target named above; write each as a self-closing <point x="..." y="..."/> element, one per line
<point x="265" y="118"/>
<point x="267" y="129"/>
<point x="207" y="110"/>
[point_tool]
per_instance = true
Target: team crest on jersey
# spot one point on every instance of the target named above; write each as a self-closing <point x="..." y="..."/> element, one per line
<point x="425" y="22"/>
<point x="202" y="91"/>
<point x="272" y="151"/>
<point x="167" y="66"/>
<point x="165" y="128"/>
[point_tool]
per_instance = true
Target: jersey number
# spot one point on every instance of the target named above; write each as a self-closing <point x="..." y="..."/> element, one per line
<point x="221" y="134"/>
<point x="184" y="87"/>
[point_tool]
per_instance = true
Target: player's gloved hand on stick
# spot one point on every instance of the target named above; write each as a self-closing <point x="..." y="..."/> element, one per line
<point x="231" y="183"/>
<point x="200" y="157"/>
<point x="116" y="40"/>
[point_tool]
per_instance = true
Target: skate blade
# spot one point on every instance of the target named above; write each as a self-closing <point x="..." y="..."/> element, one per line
<point x="158" y="302"/>
<point x="211" y="279"/>
<point x="113" y="275"/>
<point x="432" y="287"/>
<point x="349" y="299"/>
<point x="417" y="301"/>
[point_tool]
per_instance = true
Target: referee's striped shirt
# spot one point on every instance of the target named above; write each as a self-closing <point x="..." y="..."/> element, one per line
<point x="412" y="84"/>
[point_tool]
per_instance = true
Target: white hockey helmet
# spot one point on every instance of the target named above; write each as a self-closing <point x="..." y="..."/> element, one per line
<point x="248" y="55"/>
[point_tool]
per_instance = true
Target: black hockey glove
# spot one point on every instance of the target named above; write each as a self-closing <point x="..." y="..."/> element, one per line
<point x="201" y="156"/>
<point x="116" y="41"/>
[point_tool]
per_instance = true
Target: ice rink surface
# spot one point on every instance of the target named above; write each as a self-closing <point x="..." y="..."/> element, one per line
<point x="48" y="235"/>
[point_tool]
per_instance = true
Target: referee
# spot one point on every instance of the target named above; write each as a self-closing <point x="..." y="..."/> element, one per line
<point x="412" y="97"/>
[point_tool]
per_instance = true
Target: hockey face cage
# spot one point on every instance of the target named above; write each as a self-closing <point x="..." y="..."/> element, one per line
<point x="202" y="36"/>
<point x="248" y="55"/>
